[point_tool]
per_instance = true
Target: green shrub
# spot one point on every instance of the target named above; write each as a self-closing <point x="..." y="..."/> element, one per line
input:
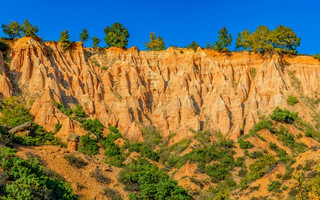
<point x="38" y="136"/>
<point x="194" y="46"/>
<point x="283" y="115"/>
<point x="60" y="106"/>
<point x="274" y="186"/>
<point x="256" y="154"/>
<point x="75" y="161"/>
<point x="292" y="100"/>
<point x="78" y="111"/>
<point x="264" y="124"/>
<point x="57" y="127"/>
<point x="3" y="45"/>
<point x="148" y="181"/>
<point x="284" y="187"/>
<point x="151" y="136"/>
<point x="317" y="56"/>
<point x="28" y="30"/>
<point x="93" y="126"/>
<point x="88" y="146"/>
<point x="99" y="176"/>
<point x="261" y="166"/>
<point x="28" y="180"/>
<point x="5" y="137"/>
<point x="245" y="144"/>
<point x="14" y="112"/>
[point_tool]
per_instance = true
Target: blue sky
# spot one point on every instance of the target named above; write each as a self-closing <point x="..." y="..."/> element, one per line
<point x="179" y="22"/>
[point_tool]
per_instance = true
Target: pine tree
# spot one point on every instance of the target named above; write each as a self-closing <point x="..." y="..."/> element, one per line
<point x="224" y="40"/>
<point x="243" y="41"/>
<point x="84" y="35"/>
<point x="193" y="46"/>
<point x="116" y="35"/>
<point x="28" y="30"/>
<point x="95" y="42"/>
<point x="261" y="40"/>
<point x="65" y="43"/>
<point x="155" y="44"/>
<point x="12" y="30"/>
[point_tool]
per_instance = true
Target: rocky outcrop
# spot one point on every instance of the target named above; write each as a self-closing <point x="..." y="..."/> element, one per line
<point x="176" y="90"/>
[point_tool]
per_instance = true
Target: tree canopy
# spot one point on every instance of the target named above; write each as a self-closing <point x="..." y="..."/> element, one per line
<point x="116" y="35"/>
<point x="282" y="40"/>
<point x="12" y="30"/>
<point x="28" y="30"/>
<point x="193" y="46"/>
<point x="155" y="44"/>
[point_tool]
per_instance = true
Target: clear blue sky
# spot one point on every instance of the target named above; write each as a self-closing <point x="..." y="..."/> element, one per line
<point x="179" y="22"/>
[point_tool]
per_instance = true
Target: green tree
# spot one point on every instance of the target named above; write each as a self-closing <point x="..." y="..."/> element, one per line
<point x="116" y="35"/>
<point x="261" y="40"/>
<point x="224" y="40"/>
<point x="284" y="40"/>
<point x="28" y="30"/>
<point x="65" y="43"/>
<point x="84" y="35"/>
<point x="95" y="42"/>
<point x="193" y="46"/>
<point x="243" y="41"/>
<point x="155" y="44"/>
<point x="12" y="30"/>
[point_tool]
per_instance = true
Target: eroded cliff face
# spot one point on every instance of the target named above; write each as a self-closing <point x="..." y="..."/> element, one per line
<point x="176" y="90"/>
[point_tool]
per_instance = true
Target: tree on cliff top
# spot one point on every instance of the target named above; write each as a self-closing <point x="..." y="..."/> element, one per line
<point x="95" y="42"/>
<point x="281" y="40"/>
<point x="224" y="40"/>
<point x="65" y="43"/>
<point x="84" y="35"/>
<point x="12" y="30"/>
<point x="193" y="46"/>
<point x="28" y="30"/>
<point x="116" y="35"/>
<point x="155" y="44"/>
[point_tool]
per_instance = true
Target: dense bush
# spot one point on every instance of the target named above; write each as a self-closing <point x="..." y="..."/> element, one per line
<point x="292" y="100"/>
<point x="147" y="181"/>
<point x="264" y="124"/>
<point x="5" y="137"/>
<point x="88" y="146"/>
<point x="274" y="186"/>
<point x="283" y="115"/>
<point x="245" y="144"/>
<point x="60" y="106"/>
<point x="3" y="45"/>
<point x="28" y="180"/>
<point x="78" y="111"/>
<point x="14" y="112"/>
<point x="144" y="151"/>
<point x="93" y="126"/>
<point x="155" y="44"/>
<point x="151" y="136"/>
<point x="38" y="136"/>
<point x="261" y="166"/>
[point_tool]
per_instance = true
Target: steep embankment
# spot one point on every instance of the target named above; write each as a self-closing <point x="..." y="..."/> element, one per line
<point x="174" y="90"/>
<point x="182" y="93"/>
